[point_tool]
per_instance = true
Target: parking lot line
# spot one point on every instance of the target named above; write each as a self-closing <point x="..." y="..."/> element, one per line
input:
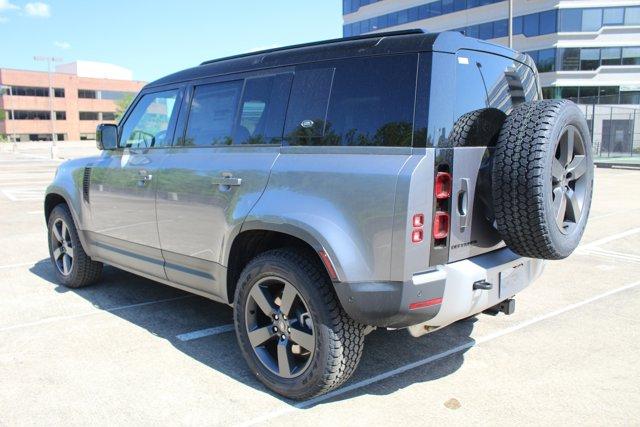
<point x="23" y="264"/>
<point x="90" y="313"/>
<point x="205" y="332"/>
<point x="610" y="238"/>
<point x="435" y="357"/>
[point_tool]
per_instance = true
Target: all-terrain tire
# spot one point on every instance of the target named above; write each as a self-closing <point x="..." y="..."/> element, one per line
<point x="339" y="339"/>
<point x="83" y="271"/>
<point x="524" y="182"/>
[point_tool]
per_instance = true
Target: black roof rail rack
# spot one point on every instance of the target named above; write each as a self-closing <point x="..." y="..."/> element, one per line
<point x="296" y="46"/>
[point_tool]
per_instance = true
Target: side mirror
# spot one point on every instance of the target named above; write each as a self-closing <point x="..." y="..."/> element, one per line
<point x="107" y="137"/>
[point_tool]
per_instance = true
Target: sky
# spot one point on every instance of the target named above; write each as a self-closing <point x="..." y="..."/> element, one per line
<point x="155" y="38"/>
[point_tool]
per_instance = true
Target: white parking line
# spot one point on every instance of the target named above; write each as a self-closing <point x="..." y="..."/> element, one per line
<point x="435" y="357"/>
<point x="90" y="313"/>
<point x="611" y="238"/>
<point x="24" y="264"/>
<point x="205" y="332"/>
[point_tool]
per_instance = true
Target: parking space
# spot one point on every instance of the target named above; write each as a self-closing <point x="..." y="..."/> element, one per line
<point x="129" y="350"/>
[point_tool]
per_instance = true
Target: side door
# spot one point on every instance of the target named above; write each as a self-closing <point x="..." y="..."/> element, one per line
<point x="123" y="185"/>
<point x="220" y="167"/>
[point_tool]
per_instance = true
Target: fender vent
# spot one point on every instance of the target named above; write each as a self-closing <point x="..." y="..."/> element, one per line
<point x="86" y="180"/>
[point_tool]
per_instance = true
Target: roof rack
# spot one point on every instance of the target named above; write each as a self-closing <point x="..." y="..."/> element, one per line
<point x="296" y="46"/>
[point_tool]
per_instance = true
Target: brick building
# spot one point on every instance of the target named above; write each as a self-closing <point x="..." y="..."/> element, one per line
<point x="84" y="95"/>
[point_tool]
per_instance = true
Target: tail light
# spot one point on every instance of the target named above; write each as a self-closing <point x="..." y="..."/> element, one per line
<point x="442" y="189"/>
<point x="440" y="225"/>
<point x="442" y="186"/>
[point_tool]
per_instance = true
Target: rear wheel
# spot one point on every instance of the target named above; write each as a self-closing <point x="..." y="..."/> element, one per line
<point x="73" y="267"/>
<point x="291" y="328"/>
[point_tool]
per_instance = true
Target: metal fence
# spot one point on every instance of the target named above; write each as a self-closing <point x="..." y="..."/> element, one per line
<point x="615" y="130"/>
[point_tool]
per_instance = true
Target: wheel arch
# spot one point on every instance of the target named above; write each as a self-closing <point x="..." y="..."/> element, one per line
<point x="55" y="197"/>
<point x="257" y="237"/>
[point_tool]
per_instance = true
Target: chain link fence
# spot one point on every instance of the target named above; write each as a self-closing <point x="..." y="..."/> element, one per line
<point x="615" y="130"/>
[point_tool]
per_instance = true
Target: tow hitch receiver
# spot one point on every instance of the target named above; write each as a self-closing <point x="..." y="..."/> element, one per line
<point x="507" y="307"/>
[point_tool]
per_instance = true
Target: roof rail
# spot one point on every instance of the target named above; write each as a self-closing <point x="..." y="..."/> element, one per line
<point x="318" y="43"/>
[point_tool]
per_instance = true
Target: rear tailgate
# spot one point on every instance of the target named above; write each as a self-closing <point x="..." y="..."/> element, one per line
<point x="472" y="232"/>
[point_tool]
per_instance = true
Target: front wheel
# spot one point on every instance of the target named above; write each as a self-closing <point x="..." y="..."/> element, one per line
<point x="73" y="267"/>
<point x="292" y="331"/>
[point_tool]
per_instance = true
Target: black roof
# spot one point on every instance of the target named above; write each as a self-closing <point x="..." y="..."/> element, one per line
<point x="365" y="45"/>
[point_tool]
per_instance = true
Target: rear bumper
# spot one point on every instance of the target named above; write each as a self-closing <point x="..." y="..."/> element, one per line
<point x="441" y="296"/>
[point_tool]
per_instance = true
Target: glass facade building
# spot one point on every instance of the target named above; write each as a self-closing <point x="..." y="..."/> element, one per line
<point x="589" y="54"/>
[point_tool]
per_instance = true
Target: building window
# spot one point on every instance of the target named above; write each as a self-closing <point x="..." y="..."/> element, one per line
<point x="87" y="136"/>
<point x="631" y="56"/>
<point x="589" y="59"/>
<point x="546" y="60"/>
<point x="548" y="22"/>
<point x="569" y="92"/>
<point x="29" y="91"/>
<point x="630" y="97"/>
<point x="632" y="16"/>
<point x="61" y="115"/>
<point x="609" y="95"/>
<point x="570" y="20"/>
<point x="108" y="116"/>
<point x="588" y="95"/>
<point x="58" y="92"/>
<point x="613" y="16"/>
<point x="89" y="115"/>
<point x="61" y="136"/>
<point x="531" y="27"/>
<point x="611" y="56"/>
<point x="31" y="115"/>
<point x="87" y="94"/>
<point x="591" y="19"/>
<point x="570" y="58"/>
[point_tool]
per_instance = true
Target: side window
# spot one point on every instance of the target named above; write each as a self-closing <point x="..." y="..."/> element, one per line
<point x="147" y="125"/>
<point x="212" y="114"/>
<point x="262" y="110"/>
<point x="358" y="102"/>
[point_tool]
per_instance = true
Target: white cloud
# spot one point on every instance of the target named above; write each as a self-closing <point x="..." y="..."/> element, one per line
<point x="7" y="5"/>
<point x="62" y="45"/>
<point x="4" y="6"/>
<point x="38" y="9"/>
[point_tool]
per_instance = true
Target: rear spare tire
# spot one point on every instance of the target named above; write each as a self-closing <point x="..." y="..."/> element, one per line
<point x="542" y="179"/>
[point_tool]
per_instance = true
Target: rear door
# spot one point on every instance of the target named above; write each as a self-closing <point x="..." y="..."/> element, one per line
<point x="209" y="182"/>
<point x="487" y="88"/>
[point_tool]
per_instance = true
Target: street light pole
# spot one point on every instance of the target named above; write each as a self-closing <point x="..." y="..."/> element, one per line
<point x="49" y="60"/>
<point x="510" y="24"/>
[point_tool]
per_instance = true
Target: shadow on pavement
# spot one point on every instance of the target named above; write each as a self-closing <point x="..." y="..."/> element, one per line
<point x="123" y="294"/>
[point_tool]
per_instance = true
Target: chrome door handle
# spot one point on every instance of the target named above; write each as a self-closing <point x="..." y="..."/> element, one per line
<point x="463" y="196"/>
<point x="226" y="179"/>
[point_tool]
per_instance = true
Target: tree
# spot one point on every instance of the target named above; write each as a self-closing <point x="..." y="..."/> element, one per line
<point x="3" y="115"/>
<point x="122" y="104"/>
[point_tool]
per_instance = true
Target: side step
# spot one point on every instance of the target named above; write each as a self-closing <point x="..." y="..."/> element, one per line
<point x="507" y="307"/>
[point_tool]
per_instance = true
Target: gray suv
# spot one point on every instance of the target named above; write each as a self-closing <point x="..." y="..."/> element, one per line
<point x="397" y="180"/>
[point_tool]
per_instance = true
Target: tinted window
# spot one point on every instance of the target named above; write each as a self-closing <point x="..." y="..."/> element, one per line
<point x="531" y="25"/>
<point x="609" y="94"/>
<point x="548" y="22"/>
<point x="262" y="110"/>
<point x="148" y="123"/>
<point x="500" y="28"/>
<point x="631" y="56"/>
<point x="570" y="58"/>
<point x="213" y="113"/>
<point x="588" y="95"/>
<point x="591" y="19"/>
<point x="308" y="105"/>
<point x="613" y="16"/>
<point x="546" y="60"/>
<point x="570" y="20"/>
<point x="632" y="16"/>
<point x="611" y="56"/>
<point x="486" y="31"/>
<point x="589" y="59"/>
<point x="371" y="103"/>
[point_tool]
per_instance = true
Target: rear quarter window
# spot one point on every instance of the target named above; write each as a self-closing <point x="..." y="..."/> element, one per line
<point x="355" y="102"/>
